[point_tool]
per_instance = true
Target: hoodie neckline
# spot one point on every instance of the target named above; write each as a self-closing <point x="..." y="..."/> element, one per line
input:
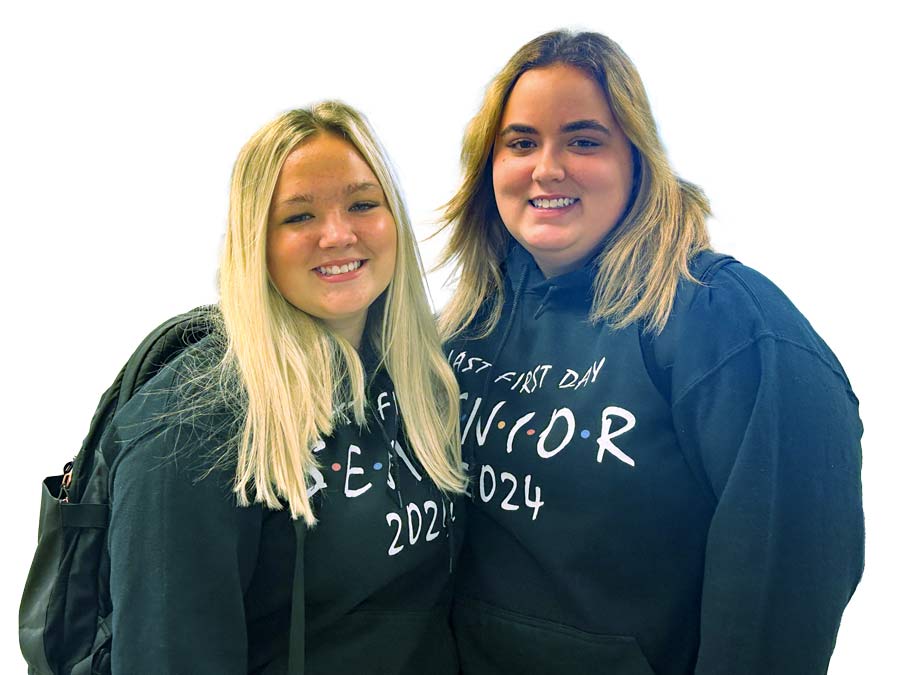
<point x="575" y="287"/>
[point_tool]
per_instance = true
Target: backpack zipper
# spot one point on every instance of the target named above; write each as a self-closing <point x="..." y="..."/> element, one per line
<point x="66" y="482"/>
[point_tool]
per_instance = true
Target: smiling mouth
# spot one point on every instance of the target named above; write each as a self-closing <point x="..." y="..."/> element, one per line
<point x="559" y="203"/>
<point x="334" y="270"/>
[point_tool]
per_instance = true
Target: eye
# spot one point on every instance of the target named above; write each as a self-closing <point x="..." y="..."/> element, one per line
<point x="298" y="218"/>
<point x="521" y="144"/>
<point x="584" y="143"/>
<point x="364" y="206"/>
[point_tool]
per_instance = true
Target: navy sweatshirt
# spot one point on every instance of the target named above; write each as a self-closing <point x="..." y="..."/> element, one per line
<point x="684" y="504"/>
<point x="200" y="585"/>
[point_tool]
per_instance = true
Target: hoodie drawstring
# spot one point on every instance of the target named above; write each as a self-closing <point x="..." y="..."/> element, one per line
<point x="390" y="442"/>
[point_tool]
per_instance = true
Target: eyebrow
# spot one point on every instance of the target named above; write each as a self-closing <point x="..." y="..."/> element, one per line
<point x="585" y="125"/>
<point x="297" y="199"/>
<point x="351" y="189"/>
<point x="517" y="129"/>
<point x="578" y="125"/>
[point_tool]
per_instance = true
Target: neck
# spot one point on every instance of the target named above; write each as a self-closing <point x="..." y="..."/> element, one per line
<point x="350" y="329"/>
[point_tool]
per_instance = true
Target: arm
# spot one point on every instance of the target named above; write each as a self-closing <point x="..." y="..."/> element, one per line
<point x="181" y="556"/>
<point x="774" y="429"/>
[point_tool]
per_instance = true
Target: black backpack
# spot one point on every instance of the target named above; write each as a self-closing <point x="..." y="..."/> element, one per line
<point x="65" y="610"/>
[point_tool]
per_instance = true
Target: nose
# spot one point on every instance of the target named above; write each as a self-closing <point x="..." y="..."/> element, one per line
<point x="337" y="232"/>
<point x="548" y="168"/>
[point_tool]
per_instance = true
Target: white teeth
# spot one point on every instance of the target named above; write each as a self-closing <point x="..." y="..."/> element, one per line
<point x="552" y="203"/>
<point x="339" y="269"/>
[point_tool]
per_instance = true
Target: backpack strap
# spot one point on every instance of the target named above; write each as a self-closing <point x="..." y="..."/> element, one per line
<point x="659" y="349"/>
<point x="161" y="346"/>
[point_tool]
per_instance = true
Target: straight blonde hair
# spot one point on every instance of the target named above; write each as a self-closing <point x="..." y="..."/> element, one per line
<point x="296" y="377"/>
<point x="644" y="256"/>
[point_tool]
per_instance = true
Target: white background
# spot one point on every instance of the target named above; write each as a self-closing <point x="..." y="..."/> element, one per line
<point x="120" y="123"/>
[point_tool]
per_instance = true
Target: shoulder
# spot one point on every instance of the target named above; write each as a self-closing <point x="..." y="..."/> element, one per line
<point x="736" y="304"/>
<point x="176" y="384"/>
<point x="737" y="308"/>
<point x="180" y="415"/>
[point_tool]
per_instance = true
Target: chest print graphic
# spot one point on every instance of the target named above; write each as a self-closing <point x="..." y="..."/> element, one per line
<point x="412" y="522"/>
<point x="534" y="426"/>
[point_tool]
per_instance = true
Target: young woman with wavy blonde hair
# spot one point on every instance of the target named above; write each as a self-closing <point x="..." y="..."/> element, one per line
<point x="665" y="456"/>
<point x="282" y="498"/>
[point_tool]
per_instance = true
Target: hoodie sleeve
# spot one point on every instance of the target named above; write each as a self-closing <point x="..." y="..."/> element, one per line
<point x="182" y="555"/>
<point x="767" y="419"/>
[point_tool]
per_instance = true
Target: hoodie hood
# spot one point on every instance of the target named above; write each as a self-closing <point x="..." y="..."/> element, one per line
<point x="573" y="289"/>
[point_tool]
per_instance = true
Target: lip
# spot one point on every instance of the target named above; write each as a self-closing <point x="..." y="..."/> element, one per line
<point x="346" y="276"/>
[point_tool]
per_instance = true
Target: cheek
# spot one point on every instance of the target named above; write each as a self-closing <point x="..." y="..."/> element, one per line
<point x="511" y="175"/>
<point x="389" y="245"/>
<point x="284" y="251"/>
<point x="623" y="172"/>
<point x="381" y="236"/>
<point x="612" y="180"/>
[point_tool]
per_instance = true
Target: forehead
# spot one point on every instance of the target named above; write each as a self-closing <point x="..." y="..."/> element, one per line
<point x="323" y="160"/>
<point x="556" y="93"/>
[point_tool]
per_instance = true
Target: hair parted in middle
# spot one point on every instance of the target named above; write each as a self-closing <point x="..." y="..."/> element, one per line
<point x="297" y="376"/>
<point x="647" y="252"/>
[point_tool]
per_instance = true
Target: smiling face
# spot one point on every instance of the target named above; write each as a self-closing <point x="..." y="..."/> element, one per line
<point x="331" y="241"/>
<point x="562" y="167"/>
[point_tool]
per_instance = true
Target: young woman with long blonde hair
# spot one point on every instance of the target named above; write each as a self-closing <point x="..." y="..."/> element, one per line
<point x="665" y="456"/>
<point x="282" y="497"/>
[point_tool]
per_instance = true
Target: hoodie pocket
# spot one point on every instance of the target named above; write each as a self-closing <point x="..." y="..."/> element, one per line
<point x="494" y="641"/>
<point x="385" y="642"/>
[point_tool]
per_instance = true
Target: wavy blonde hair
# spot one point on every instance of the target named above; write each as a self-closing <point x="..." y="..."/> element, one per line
<point x="643" y="257"/>
<point x="296" y="376"/>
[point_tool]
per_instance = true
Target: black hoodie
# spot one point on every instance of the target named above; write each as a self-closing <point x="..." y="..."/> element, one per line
<point x="200" y="585"/>
<point x="704" y="520"/>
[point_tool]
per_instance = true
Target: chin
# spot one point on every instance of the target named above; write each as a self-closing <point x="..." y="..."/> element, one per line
<point x="553" y="252"/>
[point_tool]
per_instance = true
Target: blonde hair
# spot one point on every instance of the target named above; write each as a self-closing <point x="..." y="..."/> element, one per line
<point x="296" y="376"/>
<point x="643" y="257"/>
